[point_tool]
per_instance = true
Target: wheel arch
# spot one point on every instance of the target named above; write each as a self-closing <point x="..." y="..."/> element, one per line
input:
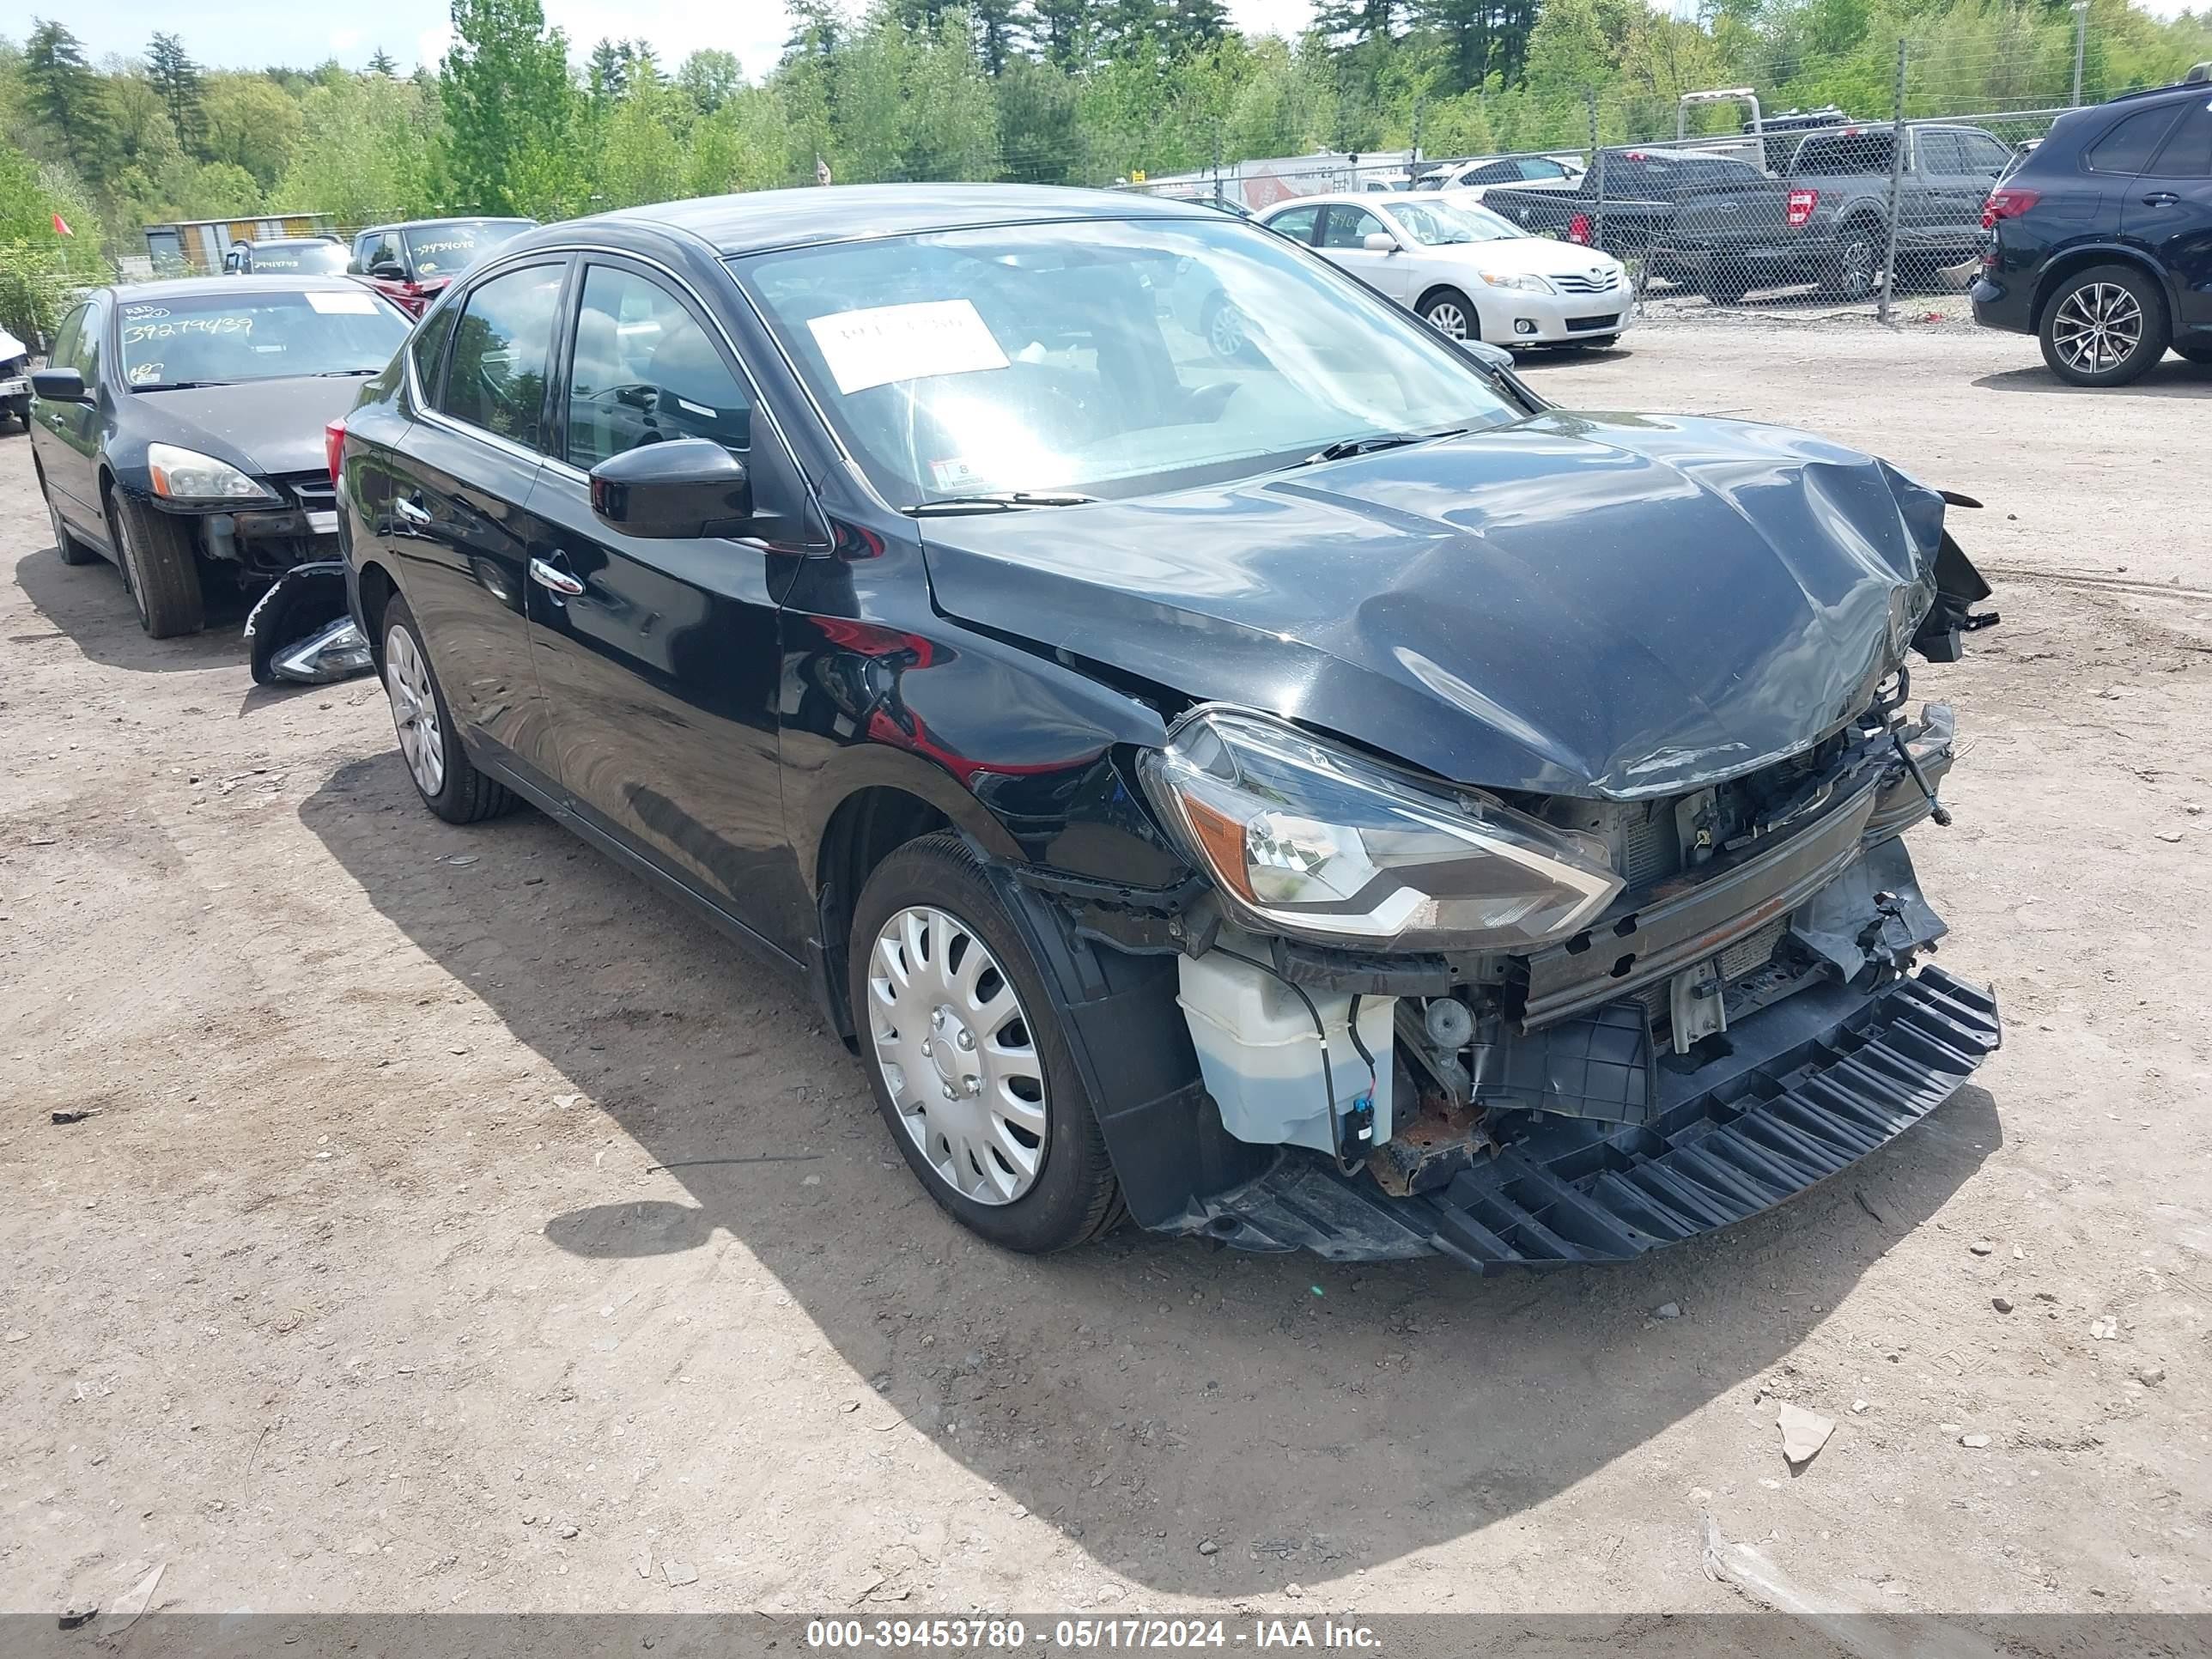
<point x="2072" y="263"/>
<point x="377" y="588"/>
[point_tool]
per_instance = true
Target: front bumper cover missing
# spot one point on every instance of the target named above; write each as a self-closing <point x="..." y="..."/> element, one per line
<point x="1840" y="1073"/>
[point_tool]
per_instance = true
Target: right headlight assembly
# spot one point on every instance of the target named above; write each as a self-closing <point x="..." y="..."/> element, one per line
<point x="1307" y="839"/>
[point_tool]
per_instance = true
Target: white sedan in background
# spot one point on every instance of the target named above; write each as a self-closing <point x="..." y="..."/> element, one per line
<point x="1469" y="272"/>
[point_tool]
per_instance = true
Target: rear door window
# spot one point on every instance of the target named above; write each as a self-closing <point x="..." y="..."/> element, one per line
<point x="1298" y="224"/>
<point x="2128" y="147"/>
<point x="1940" y="152"/>
<point x="1541" y="167"/>
<point x="502" y="346"/>
<point x="1349" y="227"/>
<point x="2188" y="153"/>
<point x="1984" y="153"/>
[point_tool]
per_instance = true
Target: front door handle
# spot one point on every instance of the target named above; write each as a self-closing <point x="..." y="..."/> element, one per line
<point x="552" y="576"/>
<point x="2160" y="198"/>
<point x="412" y="512"/>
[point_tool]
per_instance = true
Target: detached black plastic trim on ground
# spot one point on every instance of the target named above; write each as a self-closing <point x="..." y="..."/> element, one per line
<point x="1844" y="1075"/>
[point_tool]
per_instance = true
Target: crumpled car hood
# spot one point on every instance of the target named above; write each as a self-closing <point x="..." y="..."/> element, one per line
<point x="1618" y="606"/>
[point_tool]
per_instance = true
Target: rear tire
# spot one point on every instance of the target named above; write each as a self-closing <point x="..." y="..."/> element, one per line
<point x="430" y="744"/>
<point x="1856" y="270"/>
<point x="159" y="567"/>
<point x="1449" y="310"/>
<point x="2104" y="327"/>
<point x="923" y="1037"/>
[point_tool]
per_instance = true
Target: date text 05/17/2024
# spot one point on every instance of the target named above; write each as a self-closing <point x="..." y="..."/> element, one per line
<point x="985" y="1635"/>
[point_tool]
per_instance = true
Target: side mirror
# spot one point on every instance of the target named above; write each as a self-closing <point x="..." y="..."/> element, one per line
<point x="682" y="486"/>
<point x="1379" y="241"/>
<point x="1491" y="357"/>
<point x="390" y="271"/>
<point x="59" y="385"/>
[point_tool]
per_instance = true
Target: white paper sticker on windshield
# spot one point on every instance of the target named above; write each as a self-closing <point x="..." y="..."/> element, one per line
<point x="904" y="343"/>
<point x="340" y="304"/>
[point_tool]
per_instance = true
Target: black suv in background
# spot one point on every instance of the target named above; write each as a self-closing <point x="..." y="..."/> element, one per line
<point x="2100" y="244"/>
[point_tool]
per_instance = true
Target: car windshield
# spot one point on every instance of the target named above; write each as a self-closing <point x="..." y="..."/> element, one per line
<point x="1433" y="224"/>
<point x="308" y="258"/>
<point x="240" y="335"/>
<point x="1104" y="357"/>
<point x="447" y="250"/>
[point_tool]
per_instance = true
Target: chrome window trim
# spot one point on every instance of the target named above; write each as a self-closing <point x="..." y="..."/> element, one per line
<point x="499" y="265"/>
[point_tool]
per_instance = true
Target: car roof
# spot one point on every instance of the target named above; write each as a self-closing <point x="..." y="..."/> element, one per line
<point x="448" y="219"/>
<point x="185" y="288"/>
<point x="757" y="221"/>
<point x="1348" y="198"/>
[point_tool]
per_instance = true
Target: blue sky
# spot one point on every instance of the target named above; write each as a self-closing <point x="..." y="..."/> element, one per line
<point x="249" y="34"/>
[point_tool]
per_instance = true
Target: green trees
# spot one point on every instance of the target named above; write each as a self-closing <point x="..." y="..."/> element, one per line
<point x="176" y="79"/>
<point x="511" y="114"/>
<point x="1049" y="91"/>
<point x="62" y="91"/>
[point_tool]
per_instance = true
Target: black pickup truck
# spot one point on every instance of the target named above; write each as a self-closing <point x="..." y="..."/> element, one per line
<point x="1710" y="223"/>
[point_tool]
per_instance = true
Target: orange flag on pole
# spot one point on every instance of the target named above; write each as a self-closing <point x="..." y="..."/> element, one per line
<point x="61" y="227"/>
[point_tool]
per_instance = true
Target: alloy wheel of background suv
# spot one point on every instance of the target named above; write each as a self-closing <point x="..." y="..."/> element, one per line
<point x="2104" y="327"/>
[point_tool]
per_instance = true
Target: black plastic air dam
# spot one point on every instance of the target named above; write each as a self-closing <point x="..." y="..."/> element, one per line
<point x="1835" y="1074"/>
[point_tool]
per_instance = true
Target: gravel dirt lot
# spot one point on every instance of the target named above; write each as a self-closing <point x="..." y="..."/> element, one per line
<point x="464" y="1226"/>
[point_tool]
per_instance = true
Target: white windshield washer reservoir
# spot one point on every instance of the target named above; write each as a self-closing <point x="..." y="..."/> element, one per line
<point x="1261" y="1061"/>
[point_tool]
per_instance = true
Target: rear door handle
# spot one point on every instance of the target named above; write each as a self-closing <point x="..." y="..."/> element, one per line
<point x="413" y="511"/>
<point x="2160" y="198"/>
<point x="552" y="576"/>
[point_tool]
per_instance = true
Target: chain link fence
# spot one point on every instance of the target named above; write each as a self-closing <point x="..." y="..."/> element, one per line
<point x="1720" y="203"/>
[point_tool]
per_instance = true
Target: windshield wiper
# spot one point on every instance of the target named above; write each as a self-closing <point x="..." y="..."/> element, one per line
<point x="341" y="373"/>
<point x="176" y="385"/>
<point x="1003" y="500"/>
<point x="1344" y="449"/>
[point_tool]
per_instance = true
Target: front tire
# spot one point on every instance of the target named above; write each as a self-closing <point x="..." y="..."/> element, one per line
<point x="443" y="774"/>
<point x="965" y="1055"/>
<point x="1452" y="312"/>
<point x="2106" y="326"/>
<point x="159" y="567"/>
<point x="67" y="548"/>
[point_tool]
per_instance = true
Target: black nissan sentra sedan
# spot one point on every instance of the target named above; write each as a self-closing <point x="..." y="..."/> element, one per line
<point x="177" y="429"/>
<point x="1325" y="798"/>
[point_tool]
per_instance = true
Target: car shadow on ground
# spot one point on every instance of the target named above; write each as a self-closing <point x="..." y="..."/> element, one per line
<point x="89" y="604"/>
<point x="1144" y="1394"/>
<point x="2170" y="377"/>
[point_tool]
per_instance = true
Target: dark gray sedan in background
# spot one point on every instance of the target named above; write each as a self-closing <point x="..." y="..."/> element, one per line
<point x="177" y="429"/>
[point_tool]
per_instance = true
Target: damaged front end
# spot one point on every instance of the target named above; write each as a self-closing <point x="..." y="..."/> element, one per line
<point x="1529" y="1030"/>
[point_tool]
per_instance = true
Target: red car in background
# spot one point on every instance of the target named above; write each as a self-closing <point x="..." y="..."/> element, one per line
<point x="411" y="262"/>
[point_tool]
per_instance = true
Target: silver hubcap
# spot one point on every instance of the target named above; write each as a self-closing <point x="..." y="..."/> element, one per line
<point x="2097" y="327"/>
<point x="1450" y="318"/>
<point x="957" y="1055"/>
<point x="414" y="711"/>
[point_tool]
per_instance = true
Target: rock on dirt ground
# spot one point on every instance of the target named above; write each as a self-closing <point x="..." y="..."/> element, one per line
<point x="492" y="1235"/>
